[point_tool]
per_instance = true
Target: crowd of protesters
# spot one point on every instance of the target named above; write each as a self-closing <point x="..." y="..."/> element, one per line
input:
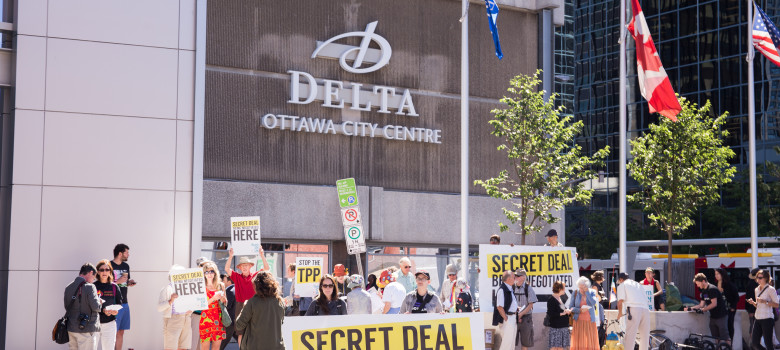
<point x="250" y="306"/>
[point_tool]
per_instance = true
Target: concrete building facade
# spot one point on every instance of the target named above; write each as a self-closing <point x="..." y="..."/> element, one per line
<point x="146" y="123"/>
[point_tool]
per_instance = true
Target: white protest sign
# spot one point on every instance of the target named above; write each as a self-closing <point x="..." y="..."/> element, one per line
<point x="649" y="293"/>
<point x="461" y="331"/>
<point x="308" y="271"/>
<point x="245" y="235"/>
<point x="190" y="285"/>
<point x="543" y="266"/>
<point x="355" y="238"/>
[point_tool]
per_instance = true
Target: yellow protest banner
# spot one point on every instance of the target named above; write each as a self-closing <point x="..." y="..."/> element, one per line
<point x="401" y="332"/>
<point x="543" y="266"/>
<point x="534" y="263"/>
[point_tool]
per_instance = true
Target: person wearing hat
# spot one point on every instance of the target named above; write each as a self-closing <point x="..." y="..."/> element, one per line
<point x="658" y="291"/>
<point x="632" y="295"/>
<point x="447" y="295"/>
<point x="526" y="297"/>
<point x="421" y="300"/>
<point x="340" y="273"/>
<point x="394" y="293"/>
<point x="552" y="239"/>
<point x="358" y="300"/>
<point x="243" y="281"/>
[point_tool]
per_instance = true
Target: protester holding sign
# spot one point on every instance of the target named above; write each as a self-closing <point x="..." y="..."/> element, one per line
<point x="421" y="300"/>
<point x="262" y="317"/>
<point x="585" y="307"/>
<point x="243" y="280"/>
<point x="327" y="302"/>
<point x="177" y="329"/>
<point x="211" y="330"/>
<point x="659" y="297"/>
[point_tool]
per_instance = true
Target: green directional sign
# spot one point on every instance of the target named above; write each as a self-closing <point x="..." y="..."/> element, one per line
<point x="347" y="192"/>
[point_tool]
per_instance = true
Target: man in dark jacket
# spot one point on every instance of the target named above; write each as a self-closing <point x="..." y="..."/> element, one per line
<point x="82" y="306"/>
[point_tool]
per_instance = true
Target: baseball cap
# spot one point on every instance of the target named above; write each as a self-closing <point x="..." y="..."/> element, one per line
<point x="520" y="272"/>
<point x="339" y="270"/>
<point x="649" y="269"/>
<point x="551" y="233"/>
<point x="427" y="275"/>
<point x="623" y="276"/>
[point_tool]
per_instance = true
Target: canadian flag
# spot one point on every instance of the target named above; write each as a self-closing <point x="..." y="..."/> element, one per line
<point x="653" y="82"/>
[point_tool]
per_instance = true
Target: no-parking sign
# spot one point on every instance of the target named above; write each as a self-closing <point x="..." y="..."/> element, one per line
<point x="351" y="216"/>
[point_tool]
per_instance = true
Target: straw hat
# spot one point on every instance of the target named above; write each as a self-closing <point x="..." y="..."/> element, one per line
<point x="245" y="260"/>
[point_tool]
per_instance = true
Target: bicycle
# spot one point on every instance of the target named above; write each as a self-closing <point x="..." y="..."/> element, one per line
<point x="658" y="341"/>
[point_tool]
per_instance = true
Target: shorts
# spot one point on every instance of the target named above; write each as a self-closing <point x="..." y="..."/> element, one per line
<point x="123" y="318"/>
<point x="525" y="332"/>
<point x="177" y="332"/>
<point x="719" y="328"/>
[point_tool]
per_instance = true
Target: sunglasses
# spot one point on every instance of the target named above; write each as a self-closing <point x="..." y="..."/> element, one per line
<point x="209" y="272"/>
<point x="105" y="270"/>
<point x="327" y="286"/>
<point x="759" y="277"/>
<point x="421" y="279"/>
<point x="407" y="267"/>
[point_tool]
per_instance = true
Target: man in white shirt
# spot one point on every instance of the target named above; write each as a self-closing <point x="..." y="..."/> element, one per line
<point x="394" y="294"/>
<point x="505" y="312"/>
<point x="631" y="295"/>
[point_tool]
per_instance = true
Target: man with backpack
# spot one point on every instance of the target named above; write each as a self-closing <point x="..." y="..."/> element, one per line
<point x="421" y="300"/>
<point x="82" y="306"/>
<point x="526" y="297"/>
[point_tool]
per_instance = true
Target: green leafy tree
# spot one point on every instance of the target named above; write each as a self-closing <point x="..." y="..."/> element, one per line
<point x="545" y="168"/>
<point x="680" y="167"/>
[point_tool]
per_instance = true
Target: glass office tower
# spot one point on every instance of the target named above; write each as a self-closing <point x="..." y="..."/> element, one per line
<point x="702" y="45"/>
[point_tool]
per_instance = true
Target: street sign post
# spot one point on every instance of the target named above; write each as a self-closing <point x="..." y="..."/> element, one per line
<point x="354" y="234"/>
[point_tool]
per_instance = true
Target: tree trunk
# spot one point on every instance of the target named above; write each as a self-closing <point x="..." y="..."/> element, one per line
<point x="669" y="233"/>
<point x="522" y="237"/>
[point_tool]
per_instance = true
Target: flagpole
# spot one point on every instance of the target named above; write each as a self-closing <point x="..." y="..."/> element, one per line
<point x="623" y="143"/>
<point x="752" y="141"/>
<point x="464" y="139"/>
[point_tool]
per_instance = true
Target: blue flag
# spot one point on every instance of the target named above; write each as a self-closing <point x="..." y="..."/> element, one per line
<point x="492" y="13"/>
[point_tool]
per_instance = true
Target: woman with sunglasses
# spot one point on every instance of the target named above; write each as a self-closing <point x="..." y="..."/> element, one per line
<point x="111" y="295"/>
<point x="211" y="331"/>
<point x="766" y="299"/>
<point x="327" y="302"/>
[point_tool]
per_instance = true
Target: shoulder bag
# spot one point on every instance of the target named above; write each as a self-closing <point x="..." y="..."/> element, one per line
<point x="226" y="321"/>
<point x="60" y="332"/>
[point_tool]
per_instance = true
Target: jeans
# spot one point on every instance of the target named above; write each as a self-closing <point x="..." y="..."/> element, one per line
<point x="763" y="328"/>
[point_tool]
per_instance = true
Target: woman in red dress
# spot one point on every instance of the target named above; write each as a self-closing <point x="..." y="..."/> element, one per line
<point x="211" y="330"/>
